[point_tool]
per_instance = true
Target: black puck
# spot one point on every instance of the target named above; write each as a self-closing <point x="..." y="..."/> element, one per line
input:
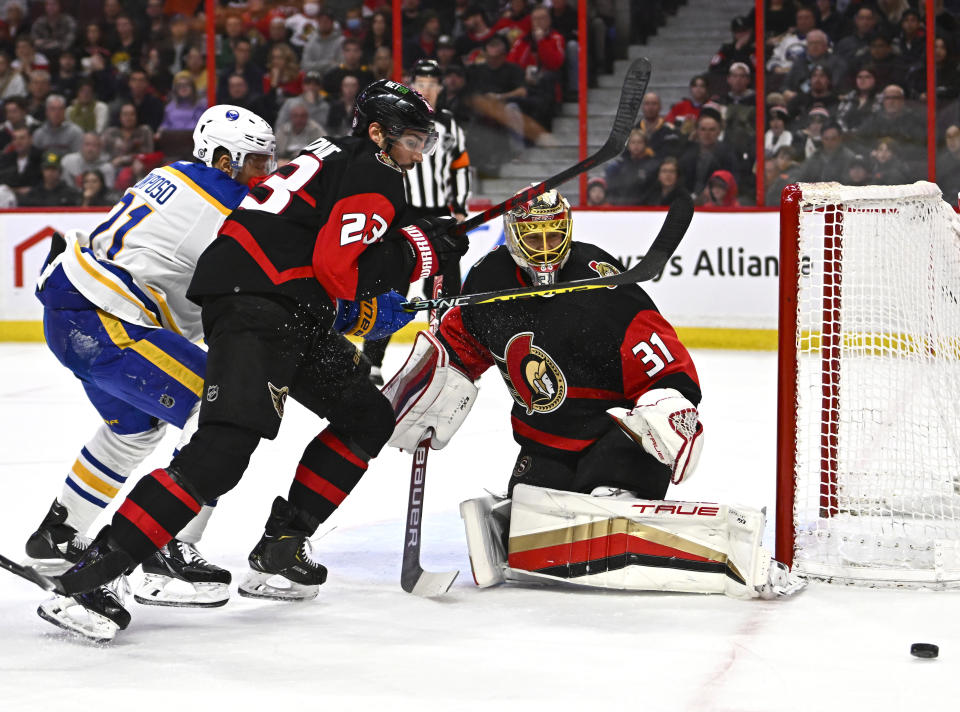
<point x="924" y="650"/>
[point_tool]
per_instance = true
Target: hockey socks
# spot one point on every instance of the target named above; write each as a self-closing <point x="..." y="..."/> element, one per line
<point x="158" y="507"/>
<point x="331" y="466"/>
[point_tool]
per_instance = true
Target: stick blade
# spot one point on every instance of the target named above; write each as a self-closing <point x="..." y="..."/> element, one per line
<point x="631" y="97"/>
<point x="428" y="584"/>
<point x="47" y="583"/>
<point x="674" y="227"/>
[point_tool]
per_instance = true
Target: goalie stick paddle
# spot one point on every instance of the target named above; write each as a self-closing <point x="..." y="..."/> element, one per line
<point x="47" y="583"/>
<point x="631" y="96"/>
<point x="413" y="579"/>
<point x="664" y="245"/>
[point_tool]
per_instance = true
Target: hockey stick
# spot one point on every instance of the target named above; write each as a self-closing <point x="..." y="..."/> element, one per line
<point x="664" y="245"/>
<point x="631" y="96"/>
<point x="47" y="583"/>
<point x="413" y="579"/>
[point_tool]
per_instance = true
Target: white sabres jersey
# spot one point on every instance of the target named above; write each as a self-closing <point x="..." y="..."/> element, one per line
<point x="138" y="263"/>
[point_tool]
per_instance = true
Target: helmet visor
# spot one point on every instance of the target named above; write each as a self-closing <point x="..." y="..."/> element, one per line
<point x="415" y="141"/>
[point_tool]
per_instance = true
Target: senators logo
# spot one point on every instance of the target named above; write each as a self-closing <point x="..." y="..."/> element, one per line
<point x="385" y="159"/>
<point x="534" y="378"/>
<point x="604" y="269"/>
<point x="278" y="396"/>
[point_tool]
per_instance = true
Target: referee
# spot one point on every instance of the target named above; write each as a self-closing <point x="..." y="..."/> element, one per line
<point x="438" y="186"/>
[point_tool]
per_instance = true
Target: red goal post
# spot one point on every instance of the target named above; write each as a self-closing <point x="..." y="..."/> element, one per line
<point x="868" y="452"/>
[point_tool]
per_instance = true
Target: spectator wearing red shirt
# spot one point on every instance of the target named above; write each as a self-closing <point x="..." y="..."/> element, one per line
<point x="541" y="53"/>
<point x="470" y="44"/>
<point x="684" y="114"/>
<point x="516" y="20"/>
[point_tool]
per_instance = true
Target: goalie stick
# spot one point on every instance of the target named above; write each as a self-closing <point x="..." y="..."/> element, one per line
<point x="664" y="245"/>
<point x="413" y="579"/>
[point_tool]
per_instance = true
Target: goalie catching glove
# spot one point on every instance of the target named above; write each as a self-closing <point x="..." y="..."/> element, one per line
<point x="372" y="318"/>
<point x="668" y="427"/>
<point x="428" y="394"/>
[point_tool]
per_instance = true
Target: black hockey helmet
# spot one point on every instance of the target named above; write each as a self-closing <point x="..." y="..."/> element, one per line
<point x="397" y="108"/>
<point x="427" y="68"/>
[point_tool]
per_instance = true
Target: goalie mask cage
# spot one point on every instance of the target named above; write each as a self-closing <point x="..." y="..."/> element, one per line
<point x="868" y="453"/>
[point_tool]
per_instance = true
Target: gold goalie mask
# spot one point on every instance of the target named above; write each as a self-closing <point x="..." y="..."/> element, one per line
<point x="538" y="236"/>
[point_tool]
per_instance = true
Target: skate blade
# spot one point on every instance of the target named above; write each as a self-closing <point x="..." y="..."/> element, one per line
<point x="274" y="587"/>
<point x="159" y="590"/>
<point x="83" y="623"/>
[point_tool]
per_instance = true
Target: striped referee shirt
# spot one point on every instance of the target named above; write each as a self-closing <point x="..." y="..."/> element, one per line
<point x="443" y="179"/>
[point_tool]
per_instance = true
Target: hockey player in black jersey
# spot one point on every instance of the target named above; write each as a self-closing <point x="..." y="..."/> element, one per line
<point x="605" y="403"/>
<point x="324" y="227"/>
<point x="437" y="187"/>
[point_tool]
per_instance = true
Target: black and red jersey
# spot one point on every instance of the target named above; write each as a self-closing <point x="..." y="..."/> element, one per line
<point x="566" y="359"/>
<point x="317" y="229"/>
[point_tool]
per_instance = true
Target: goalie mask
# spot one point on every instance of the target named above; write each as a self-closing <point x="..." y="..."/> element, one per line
<point x="538" y="236"/>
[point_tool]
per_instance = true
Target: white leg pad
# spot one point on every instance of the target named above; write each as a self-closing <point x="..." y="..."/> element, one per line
<point x="646" y="545"/>
<point x="485" y="520"/>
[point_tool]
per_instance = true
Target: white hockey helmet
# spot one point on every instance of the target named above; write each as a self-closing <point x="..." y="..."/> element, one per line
<point x="538" y="235"/>
<point x="236" y="129"/>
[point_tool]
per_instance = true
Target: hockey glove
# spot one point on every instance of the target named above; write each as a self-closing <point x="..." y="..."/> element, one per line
<point x="432" y="248"/>
<point x="374" y="318"/>
<point x="668" y="427"/>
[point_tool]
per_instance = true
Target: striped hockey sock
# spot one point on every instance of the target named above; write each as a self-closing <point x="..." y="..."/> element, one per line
<point x="155" y="510"/>
<point x="329" y="469"/>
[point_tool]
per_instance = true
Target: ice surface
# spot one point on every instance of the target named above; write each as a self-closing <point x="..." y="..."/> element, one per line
<point x="364" y="644"/>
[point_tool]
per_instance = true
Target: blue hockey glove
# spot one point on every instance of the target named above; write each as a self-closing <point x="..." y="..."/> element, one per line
<point x="372" y="318"/>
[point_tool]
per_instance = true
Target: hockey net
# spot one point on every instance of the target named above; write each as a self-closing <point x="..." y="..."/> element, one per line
<point x="869" y="381"/>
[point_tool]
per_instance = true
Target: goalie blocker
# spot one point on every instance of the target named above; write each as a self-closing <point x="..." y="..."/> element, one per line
<point x="622" y="543"/>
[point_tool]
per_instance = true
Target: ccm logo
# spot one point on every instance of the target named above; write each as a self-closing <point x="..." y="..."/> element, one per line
<point x="704" y="510"/>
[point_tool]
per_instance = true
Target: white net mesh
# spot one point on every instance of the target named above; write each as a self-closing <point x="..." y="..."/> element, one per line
<point x="877" y="494"/>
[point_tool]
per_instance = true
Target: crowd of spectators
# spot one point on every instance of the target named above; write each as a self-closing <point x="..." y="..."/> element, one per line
<point x="845" y="100"/>
<point x="114" y="87"/>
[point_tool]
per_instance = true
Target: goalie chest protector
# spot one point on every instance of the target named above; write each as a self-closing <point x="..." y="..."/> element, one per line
<point x="567" y="358"/>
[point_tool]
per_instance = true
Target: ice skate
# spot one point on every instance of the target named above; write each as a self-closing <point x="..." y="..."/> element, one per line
<point x="282" y="566"/>
<point x="55" y="545"/>
<point x="178" y="575"/>
<point x="95" y="616"/>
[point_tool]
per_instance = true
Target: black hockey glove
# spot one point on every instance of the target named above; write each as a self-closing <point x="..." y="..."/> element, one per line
<point x="433" y="249"/>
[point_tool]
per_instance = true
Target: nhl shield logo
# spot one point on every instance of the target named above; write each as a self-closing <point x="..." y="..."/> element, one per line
<point x="534" y="378"/>
<point x="279" y="397"/>
<point x="212" y="392"/>
<point x="167" y="401"/>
